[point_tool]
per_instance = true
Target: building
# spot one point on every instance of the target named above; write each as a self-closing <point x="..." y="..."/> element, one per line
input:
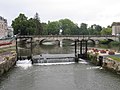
<point x="3" y="27"/>
<point x="10" y="32"/>
<point x="115" y="28"/>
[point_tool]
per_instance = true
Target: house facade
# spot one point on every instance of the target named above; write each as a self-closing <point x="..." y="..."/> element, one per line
<point x="116" y="28"/>
<point x="3" y="27"/>
<point x="10" y="31"/>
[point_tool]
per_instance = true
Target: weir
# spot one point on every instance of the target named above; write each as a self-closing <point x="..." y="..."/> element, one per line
<point x="53" y="58"/>
<point x="42" y="58"/>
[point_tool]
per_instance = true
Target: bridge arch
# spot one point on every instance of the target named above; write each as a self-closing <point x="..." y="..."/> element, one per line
<point x="41" y="41"/>
<point x="110" y="40"/>
<point x="91" y="41"/>
<point x="97" y="41"/>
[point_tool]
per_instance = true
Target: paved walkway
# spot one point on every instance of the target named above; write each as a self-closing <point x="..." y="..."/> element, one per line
<point x="2" y="55"/>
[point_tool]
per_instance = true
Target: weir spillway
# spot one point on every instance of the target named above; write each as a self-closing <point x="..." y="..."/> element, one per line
<point x="53" y="58"/>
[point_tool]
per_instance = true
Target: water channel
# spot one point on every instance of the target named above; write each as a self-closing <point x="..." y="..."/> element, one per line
<point x="74" y="76"/>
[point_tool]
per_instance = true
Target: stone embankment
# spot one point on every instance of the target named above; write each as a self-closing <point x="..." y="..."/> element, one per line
<point x="111" y="64"/>
<point x="7" y="60"/>
<point x="101" y="58"/>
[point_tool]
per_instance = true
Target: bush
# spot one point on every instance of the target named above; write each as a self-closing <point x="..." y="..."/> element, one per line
<point x="105" y="41"/>
<point x="114" y="43"/>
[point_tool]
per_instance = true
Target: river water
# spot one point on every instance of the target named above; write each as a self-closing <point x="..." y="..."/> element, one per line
<point x="74" y="76"/>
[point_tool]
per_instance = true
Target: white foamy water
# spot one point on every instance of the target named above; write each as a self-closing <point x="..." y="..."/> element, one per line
<point x="24" y="64"/>
<point x="61" y="63"/>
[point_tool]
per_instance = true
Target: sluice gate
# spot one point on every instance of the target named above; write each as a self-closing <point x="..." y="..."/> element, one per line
<point x="20" y="40"/>
<point x="80" y="49"/>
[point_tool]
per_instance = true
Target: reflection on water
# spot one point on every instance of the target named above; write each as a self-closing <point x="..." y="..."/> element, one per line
<point x="60" y="76"/>
<point x="55" y="49"/>
<point x="52" y="50"/>
<point x="47" y="49"/>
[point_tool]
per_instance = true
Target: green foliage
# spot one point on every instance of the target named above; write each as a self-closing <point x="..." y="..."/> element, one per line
<point x="53" y="28"/>
<point x="115" y="58"/>
<point x="104" y="41"/>
<point x="23" y="26"/>
<point x="83" y="29"/>
<point x="114" y="43"/>
<point x="68" y="27"/>
<point x="44" y="26"/>
<point x="38" y="25"/>
<point x="109" y="41"/>
<point x="33" y="26"/>
<point x="20" y="24"/>
<point x="94" y="29"/>
<point x="106" y="31"/>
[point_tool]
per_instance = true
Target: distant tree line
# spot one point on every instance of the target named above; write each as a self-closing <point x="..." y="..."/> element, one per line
<point x="33" y="26"/>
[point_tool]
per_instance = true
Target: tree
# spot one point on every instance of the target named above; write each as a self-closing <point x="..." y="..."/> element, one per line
<point x="31" y="27"/>
<point x="45" y="31"/>
<point x="68" y="27"/>
<point x="20" y="24"/>
<point x="83" y="29"/>
<point x="53" y="28"/>
<point x="38" y="25"/>
<point x="106" y="31"/>
<point x="23" y="26"/>
<point x="95" y="29"/>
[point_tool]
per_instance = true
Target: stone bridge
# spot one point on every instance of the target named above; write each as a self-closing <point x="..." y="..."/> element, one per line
<point x="94" y="38"/>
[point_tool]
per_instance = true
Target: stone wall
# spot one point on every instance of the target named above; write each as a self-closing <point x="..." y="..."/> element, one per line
<point x="93" y="58"/>
<point x="7" y="63"/>
<point x="111" y="64"/>
<point x="106" y="62"/>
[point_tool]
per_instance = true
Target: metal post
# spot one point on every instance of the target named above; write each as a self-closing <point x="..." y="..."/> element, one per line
<point x="31" y="46"/>
<point x="81" y="47"/>
<point x="16" y="49"/>
<point x="31" y="51"/>
<point x="86" y="48"/>
<point x="75" y="48"/>
<point x="76" y="56"/>
<point x="100" y="61"/>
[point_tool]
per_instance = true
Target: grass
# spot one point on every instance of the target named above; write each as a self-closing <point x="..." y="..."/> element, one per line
<point x="115" y="58"/>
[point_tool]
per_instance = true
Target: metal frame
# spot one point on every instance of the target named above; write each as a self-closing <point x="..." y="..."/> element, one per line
<point x="80" y="49"/>
<point x="17" y="49"/>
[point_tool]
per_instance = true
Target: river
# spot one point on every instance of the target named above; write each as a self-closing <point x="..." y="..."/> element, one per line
<point x="74" y="76"/>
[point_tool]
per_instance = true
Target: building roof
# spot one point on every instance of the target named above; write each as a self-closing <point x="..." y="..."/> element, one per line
<point x="1" y="18"/>
<point x="116" y="24"/>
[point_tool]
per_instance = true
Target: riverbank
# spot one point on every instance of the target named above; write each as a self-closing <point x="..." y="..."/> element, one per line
<point x="7" y="60"/>
<point x="104" y="58"/>
<point x="7" y="57"/>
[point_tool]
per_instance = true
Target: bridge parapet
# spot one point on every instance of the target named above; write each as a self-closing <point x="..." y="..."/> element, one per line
<point x="74" y="37"/>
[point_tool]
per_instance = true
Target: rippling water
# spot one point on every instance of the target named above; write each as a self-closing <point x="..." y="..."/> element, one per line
<point x="59" y="76"/>
<point x="81" y="76"/>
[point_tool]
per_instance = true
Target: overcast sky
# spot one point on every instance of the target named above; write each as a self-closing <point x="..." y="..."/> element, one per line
<point x="102" y="12"/>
